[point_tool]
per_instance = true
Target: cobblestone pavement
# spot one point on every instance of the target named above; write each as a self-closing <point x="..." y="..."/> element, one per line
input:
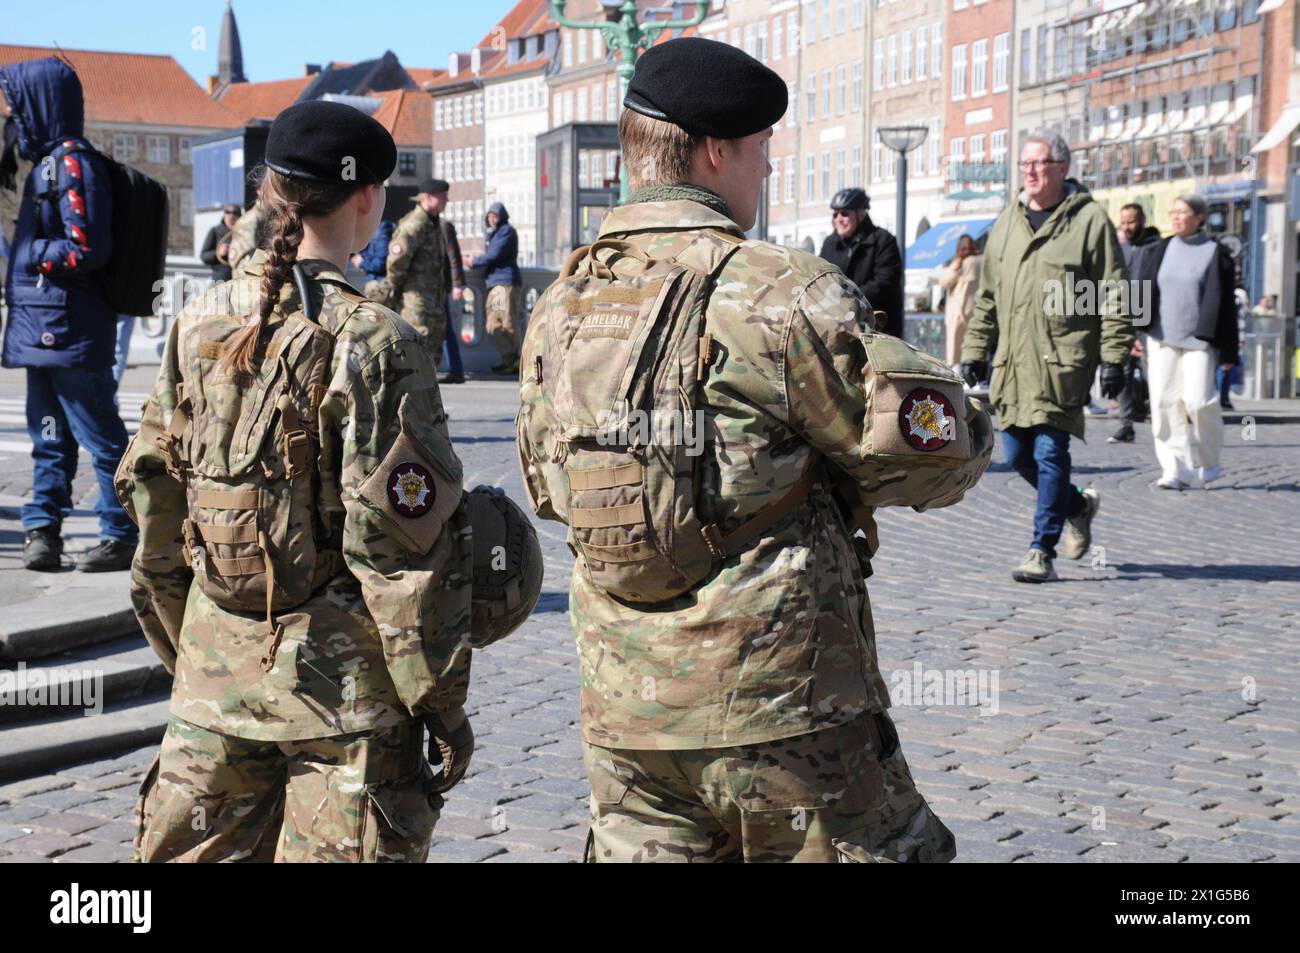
<point x="1145" y="704"/>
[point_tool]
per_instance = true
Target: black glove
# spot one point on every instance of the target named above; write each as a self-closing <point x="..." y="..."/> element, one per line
<point x="973" y="372"/>
<point x="451" y="744"/>
<point x="1113" y="380"/>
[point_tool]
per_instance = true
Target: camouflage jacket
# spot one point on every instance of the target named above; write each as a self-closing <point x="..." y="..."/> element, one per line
<point x="779" y="642"/>
<point x="378" y="643"/>
<point x="243" y="237"/>
<point x="418" y="268"/>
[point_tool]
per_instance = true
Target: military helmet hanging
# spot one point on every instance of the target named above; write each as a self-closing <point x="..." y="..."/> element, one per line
<point x="507" y="565"/>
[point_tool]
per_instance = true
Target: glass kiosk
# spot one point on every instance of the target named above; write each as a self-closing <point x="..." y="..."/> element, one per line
<point x="577" y="184"/>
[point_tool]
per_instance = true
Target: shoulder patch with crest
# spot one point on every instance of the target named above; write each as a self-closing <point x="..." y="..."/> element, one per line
<point x="927" y="419"/>
<point x="411" y="489"/>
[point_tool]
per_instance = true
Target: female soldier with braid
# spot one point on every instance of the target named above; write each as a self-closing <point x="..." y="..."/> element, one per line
<point x="304" y="567"/>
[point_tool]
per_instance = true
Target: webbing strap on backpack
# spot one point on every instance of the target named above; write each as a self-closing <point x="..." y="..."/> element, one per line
<point x="739" y="538"/>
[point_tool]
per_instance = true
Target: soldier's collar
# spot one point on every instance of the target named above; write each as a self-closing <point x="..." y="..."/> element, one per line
<point x="674" y="214"/>
<point x="320" y="270"/>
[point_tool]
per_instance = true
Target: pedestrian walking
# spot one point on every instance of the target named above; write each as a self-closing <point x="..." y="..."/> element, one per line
<point x="868" y="255"/>
<point x="959" y="279"/>
<point x="500" y="263"/>
<point x="417" y="270"/>
<point x="60" y="326"/>
<point x="372" y="260"/>
<point x="732" y="706"/>
<point x="1136" y="238"/>
<point x="1193" y="333"/>
<point x="1042" y="345"/>
<point x="216" y="245"/>
<point x="307" y="560"/>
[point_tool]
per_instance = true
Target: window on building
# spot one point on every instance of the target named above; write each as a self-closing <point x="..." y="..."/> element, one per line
<point x="936" y="49"/>
<point x="1001" y="62"/>
<point x="959" y="4"/>
<point x="437" y="115"/>
<point x="891" y="68"/>
<point x="878" y="63"/>
<point x="457" y="110"/>
<point x="841" y="15"/>
<point x="979" y="73"/>
<point x="1026" y="56"/>
<point x="826" y="19"/>
<point x="406" y="163"/>
<point x="749" y="39"/>
<point x="761" y="48"/>
<point x="857" y="13"/>
<point x="478" y="162"/>
<point x="841" y="89"/>
<point x="810" y="113"/>
<point x="125" y="146"/>
<point x="959" y="71"/>
<point x="810" y="24"/>
<point x="478" y="109"/>
<point x="792" y="32"/>
<point x="826" y="176"/>
<point x="1040" y="74"/>
<point x="998" y="147"/>
<point x="792" y="97"/>
<point x="611" y="100"/>
<point x="810" y="178"/>
<point x="1060" y="51"/>
<point x="187" y="207"/>
<point x="458" y="168"/>
<point x="922" y="47"/>
<point x="977" y="148"/>
<point x="790" y="179"/>
<point x="774" y="184"/>
<point x="840" y="170"/>
<point x="935" y="142"/>
<point x="582" y="104"/>
<point x="857" y="86"/>
<point x="855" y="170"/>
<point x="183" y="145"/>
<point x="568" y="49"/>
<point x="597" y="101"/>
<point x="778" y="38"/>
<point x="876" y="156"/>
<point x="826" y="93"/>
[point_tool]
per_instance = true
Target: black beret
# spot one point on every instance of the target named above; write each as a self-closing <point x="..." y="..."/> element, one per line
<point x="331" y="143"/>
<point x="434" y="186"/>
<point x="707" y="88"/>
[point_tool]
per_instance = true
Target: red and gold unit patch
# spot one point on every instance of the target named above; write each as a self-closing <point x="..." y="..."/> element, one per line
<point x="927" y="419"/>
<point x="411" y="490"/>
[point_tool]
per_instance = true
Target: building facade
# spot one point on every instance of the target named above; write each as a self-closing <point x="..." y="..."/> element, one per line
<point x="977" y="121"/>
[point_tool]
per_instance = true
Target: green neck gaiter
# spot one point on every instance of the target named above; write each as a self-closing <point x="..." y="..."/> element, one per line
<point x="677" y="193"/>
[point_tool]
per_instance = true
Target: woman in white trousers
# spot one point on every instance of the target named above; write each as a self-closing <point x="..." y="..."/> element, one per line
<point x="1193" y="331"/>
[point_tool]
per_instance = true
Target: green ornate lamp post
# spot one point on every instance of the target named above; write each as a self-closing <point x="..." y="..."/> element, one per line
<point x="627" y="37"/>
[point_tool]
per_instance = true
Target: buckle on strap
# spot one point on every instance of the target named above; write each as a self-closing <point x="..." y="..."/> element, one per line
<point x="296" y="445"/>
<point x="713" y="539"/>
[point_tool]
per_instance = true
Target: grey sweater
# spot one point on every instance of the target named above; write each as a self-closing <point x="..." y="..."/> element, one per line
<point x="1182" y="278"/>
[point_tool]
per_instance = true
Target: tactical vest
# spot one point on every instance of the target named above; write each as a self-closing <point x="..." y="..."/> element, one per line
<point x="626" y="358"/>
<point x="265" y="517"/>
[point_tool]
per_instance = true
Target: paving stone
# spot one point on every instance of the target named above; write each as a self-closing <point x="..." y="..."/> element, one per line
<point x="67" y="822"/>
<point x="102" y="853"/>
<point x="46" y="843"/>
<point x="64" y="799"/>
<point x="463" y="852"/>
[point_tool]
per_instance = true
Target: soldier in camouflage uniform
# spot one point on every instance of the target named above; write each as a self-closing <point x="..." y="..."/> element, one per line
<point x="744" y="720"/>
<point x="299" y="736"/>
<point x="418" y="271"/>
<point x="246" y="236"/>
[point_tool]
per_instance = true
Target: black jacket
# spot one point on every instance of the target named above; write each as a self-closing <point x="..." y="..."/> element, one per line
<point x="1135" y="249"/>
<point x="1217" y="325"/>
<point x="216" y="235"/>
<point x="870" y="259"/>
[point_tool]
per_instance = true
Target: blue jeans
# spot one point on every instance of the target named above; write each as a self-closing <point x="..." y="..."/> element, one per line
<point x="125" y="325"/>
<point x="69" y="408"/>
<point x="1223" y="381"/>
<point x="1042" y="456"/>
<point x="454" y="365"/>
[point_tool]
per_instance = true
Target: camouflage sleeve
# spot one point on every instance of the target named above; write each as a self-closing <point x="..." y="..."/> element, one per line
<point x="155" y="498"/>
<point x="849" y="393"/>
<point x="243" y="237"/>
<point x="401" y="254"/>
<point x="406" y="534"/>
<point x="533" y="420"/>
<point x="981" y="338"/>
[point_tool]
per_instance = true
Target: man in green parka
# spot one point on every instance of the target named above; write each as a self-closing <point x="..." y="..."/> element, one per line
<point x="1053" y="302"/>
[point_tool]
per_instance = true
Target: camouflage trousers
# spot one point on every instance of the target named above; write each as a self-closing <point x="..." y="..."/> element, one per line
<point x="841" y="794"/>
<point x="429" y="318"/>
<point x="502" y="320"/>
<point x="358" y="797"/>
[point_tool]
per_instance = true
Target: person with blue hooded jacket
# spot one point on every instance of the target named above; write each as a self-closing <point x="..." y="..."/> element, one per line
<point x="500" y="262"/>
<point x="61" y="327"/>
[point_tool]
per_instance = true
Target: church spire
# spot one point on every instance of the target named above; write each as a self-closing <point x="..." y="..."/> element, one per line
<point x="230" y="57"/>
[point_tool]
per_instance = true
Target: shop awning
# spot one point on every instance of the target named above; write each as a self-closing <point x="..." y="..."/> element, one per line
<point x="1282" y="129"/>
<point x="939" y="244"/>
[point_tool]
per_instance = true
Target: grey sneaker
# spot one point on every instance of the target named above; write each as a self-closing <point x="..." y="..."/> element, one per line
<point x="1077" y="536"/>
<point x="1036" y="567"/>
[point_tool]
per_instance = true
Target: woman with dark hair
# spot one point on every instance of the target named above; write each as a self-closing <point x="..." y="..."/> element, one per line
<point x="306" y="555"/>
<point x="960" y="278"/>
<point x="1193" y="331"/>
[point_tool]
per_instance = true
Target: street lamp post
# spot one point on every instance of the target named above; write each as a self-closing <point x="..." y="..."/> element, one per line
<point x="902" y="139"/>
<point x="627" y="37"/>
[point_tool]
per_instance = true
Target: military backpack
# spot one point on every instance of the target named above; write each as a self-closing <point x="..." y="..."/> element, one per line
<point x="264" y="524"/>
<point x="625" y="356"/>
